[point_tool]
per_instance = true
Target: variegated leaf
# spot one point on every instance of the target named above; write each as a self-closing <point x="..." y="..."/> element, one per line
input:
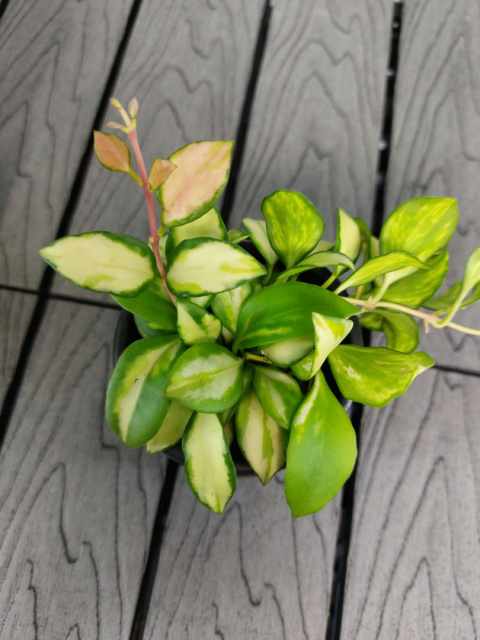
<point x="203" y="266"/>
<point x="257" y="230"/>
<point x="172" y="428"/>
<point x="226" y="306"/>
<point x="112" y="152"/>
<point x="329" y="333"/>
<point x="471" y="278"/>
<point x="102" y="261"/>
<point x="375" y="375"/>
<point x="161" y="169"/>
<point x="294" y="226"/>
<point x="321" y="451"/>
<point x="136" y="404"/>
<point x="197" y="182"/>
<point x="235" y="236"/>
<point x="287" y="352"/>
<point x="315" y="261"/>
<point x="415" y="289"/>
<point x="279" y="394"/>
<point x="387" y="263"/>
<point x="209" y="467"/>
<point x="284" y="311"/>
<point x="209" y="225"/>
<point x="349" y="240"/>
<point x="259" y="437"/>
<point x="206" y="378"/>
<point x="422" y="226"/>
<point x="195" y="324"/>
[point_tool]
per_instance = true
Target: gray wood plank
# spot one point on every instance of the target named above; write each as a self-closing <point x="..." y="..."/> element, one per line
<point x="414" y="558"/>
<point x="56" y="57"/>
<point x="436" y="137"/>
<point x="76" y="506"/>
<point x="251" y="573"/>
<point x="315" y="127"/>
<point x="188" y="64"/>
<point x="16" y="311"/>
<point x="317" y="115"/>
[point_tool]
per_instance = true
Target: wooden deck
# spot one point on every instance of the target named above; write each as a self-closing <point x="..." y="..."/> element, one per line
<point x="101" y="542"/>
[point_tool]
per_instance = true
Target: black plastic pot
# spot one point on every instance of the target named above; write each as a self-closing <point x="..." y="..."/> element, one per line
<point x="126" y="333"/>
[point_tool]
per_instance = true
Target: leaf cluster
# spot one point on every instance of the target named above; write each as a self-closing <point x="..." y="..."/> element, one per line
<point x="232" y="347"/>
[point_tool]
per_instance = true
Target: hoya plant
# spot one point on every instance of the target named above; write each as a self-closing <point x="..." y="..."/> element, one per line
<point x="235" y="347"/>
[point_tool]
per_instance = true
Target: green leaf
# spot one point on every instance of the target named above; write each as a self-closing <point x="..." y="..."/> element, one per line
<point x="201" y="266"/>
<point x="401" y="330"/>
<point x="209" y="225"/>
<point x="284" y="311"/>
<point x="152" y="305"/>
<point x="471" y="278"/>
<point x="278" y="393"/>
<point x="288" y="352"/>
<point x="321" y="451"/>
<point x="226" y="306"/>
<point x="195" y="324"/>
<point x="371" y="321"/>
<point x="206" y="378"/>
<point x="102" y="261"/>
<point x="171" y="430"/>
<point x="329" y="333"/>
<point x="294" y="226"/>
<point x="422" y="227"/>
<point x="349" y="241"/>
<point x="316" y="260"/>
<point x="209" y="467"/>
<point x="259" y="437"/>
<point x="376" y="267"/>
<point x="365" y="239"/>
<point x="136" y="403"/>
<point x="375" y="375"/>
<point x="443" y="302"/>
<point x="151" y="330"/>
<point x="202" y="301"/>
<point x="235" y="236"/>
<point x="197" y="182"/>
<point x="257" y="230"/>
<point x="415" y="289"/>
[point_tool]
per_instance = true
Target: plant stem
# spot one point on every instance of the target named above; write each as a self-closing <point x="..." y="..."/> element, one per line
<point x="154" y="239"/>
<point x="428" y="318"/>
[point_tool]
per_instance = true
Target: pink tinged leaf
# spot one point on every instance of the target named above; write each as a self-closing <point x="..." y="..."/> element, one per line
<point x="161" y="169"/>
<point x="112" y="152"/>
<point x="201" y="175"/>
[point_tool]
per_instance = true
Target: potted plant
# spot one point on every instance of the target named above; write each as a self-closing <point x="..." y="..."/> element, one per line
<point x="233" y="346"/>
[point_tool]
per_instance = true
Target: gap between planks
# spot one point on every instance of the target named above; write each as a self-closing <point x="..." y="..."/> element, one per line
<point x="334" y="626"/>
<point x="48" y="274"/>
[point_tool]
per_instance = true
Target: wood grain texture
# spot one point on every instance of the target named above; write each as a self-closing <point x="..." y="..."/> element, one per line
<point x="188" y="64"/>
<point x="56" y="57"/>
<point x="436" y="137"/>
<point x="16" y="311"/>
<point x="414" y="558"/>
<point x="317" y="115"/>
<point x="251" y="573"/>
<point x="76" y="506"/>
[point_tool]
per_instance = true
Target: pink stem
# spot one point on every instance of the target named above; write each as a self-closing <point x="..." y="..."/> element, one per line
<point x="132" y="135"/>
